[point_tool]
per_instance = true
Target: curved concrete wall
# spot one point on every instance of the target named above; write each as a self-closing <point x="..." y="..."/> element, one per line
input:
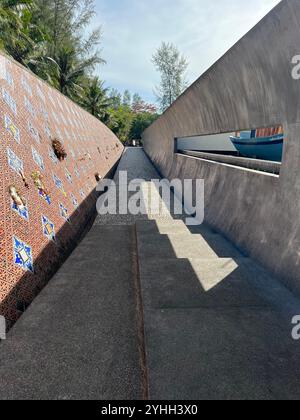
<point x="251" y="86"/>
<point x="34" y="242"/>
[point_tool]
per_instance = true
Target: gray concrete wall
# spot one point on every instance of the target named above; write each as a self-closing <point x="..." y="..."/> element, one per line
<point x="250" y="86"/>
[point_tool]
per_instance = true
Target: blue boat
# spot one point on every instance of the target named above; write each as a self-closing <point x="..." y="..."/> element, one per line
<point x="254" y="145"/>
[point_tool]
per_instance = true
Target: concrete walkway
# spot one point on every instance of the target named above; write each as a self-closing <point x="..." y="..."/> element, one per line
<point x="216" y="325"/>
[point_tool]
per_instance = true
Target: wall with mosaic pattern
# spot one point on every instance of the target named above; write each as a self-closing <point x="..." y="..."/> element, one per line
<point x="36" y="237"/>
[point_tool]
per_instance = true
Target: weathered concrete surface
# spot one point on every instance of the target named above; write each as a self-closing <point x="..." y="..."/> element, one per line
<point x="251" y="86"/>
<point x="216" y="328"/>
<point x="79" y="338"/>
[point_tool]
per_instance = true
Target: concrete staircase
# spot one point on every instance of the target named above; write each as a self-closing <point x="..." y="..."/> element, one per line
<point x="216" y="325"/>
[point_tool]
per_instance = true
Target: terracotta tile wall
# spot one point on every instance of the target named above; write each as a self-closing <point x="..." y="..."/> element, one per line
<point x="31" y="114"/>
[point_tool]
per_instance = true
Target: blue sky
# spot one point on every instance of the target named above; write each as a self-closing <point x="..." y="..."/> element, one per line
<point x="203" y="30"/>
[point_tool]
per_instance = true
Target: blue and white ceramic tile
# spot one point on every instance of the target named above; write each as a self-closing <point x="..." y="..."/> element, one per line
<point x="29" y="106"/>
<point x="14" y="162"/>
<point x="8" y="99"/>
<point x="26" y="86"/>
<point x="58" y="183"/>
<point x="40" y="94"/>
<point x="45" y="197"/>
<point x="69" y="177"/>
<point x="33" y="131"/>
<point x="64" y="212"/>
<point x="12" y="129"/>
<point x="52" y="155"/>
<point x="44" y="112"/>
<point x="47" y="131"/>
<point x="48" y="228"/>
<point x="9" y="79"/>
<point x="22" y="255"/>
<point x="38" y="159"/>
<point x="74" y="200"/>
<point x="59" y="133"/>
<point x="22" y="212"/>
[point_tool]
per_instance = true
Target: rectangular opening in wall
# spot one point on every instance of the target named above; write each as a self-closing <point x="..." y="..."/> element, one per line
<point x="259" y="149"/>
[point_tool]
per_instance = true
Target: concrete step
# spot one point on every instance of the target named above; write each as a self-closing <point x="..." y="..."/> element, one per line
<point x="156" y="246"/>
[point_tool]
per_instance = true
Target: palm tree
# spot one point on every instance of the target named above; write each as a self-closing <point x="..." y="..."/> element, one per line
<point x="95" y="98"/>
<point x="68" y="71"/>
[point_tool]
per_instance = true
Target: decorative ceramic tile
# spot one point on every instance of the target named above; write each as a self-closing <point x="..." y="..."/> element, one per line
<point x="74" y="200"/>
<point x="44" y="112"/>
<point x="55" y="117"/>
<point x="50" y="97"/>
<point x="45" y="197"/>
<point x="67" y="135"/>
<point x="60" y="105"/>
<point x="47" y="131"/>
<point x="8" y="77"/>
<point x="64" y="212"/>
<point x="52" y="155"/>
<point x="48" y="228"/>
<point x="26" y="86"/>
<point x="82" y="194"/>
<point x="14" y="162"/>
<point x="69" y="177"/>
<point x="40" y="94"/>
<point x="77" y="173"/>
<point x="59" y="184"/>
<point x="33" y="131"/>
<point x="8" y="99"/>
<point x="29" y="106"/>
<point x="22" y="254"/>
<point x="63" y="119"/>
<point x="22" y="211"/>
<point x="59" y="133"/>
<point x="38" y="159"/>
<point x="12" y="129"/>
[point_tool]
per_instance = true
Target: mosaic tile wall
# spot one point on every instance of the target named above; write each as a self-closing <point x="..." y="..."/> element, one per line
<point x="35" y="238"/>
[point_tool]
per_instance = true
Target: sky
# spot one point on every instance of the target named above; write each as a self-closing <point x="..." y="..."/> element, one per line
<point x="203" y="30"/>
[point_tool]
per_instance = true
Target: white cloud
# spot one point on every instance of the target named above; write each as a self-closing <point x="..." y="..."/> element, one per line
<point x="203" y="31"/>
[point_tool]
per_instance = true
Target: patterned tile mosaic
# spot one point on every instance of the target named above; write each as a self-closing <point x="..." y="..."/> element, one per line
<point x="22" y="255"/>
<point x="48" y="228"/>
<point x="56" y="204"/>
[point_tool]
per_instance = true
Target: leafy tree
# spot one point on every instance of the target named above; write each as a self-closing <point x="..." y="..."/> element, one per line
<point x="172" y="67"/>
<point x="116" y="98"/>
<point x="140" y="123"/>
<point x="127" y="98"/>
<point x="136" y="99"/>
<point x="120" y="121"/>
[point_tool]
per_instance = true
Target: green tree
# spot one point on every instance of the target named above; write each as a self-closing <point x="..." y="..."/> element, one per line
<point x="116" y="98"/>
<point x="140" y="123"/>
<point x="64" y="22"/>
<point x="95" y="98"/>
<point x="18" y="34"/>
<point x="172" y="67"/>
<point x="120" y="121"/>
<point x="68" y="71"/>
<point x="127" y="98"/>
